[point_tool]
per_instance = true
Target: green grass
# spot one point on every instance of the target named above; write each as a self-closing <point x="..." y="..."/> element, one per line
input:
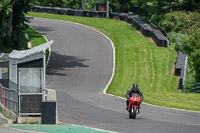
<point x="36" y="39"/>
<point x="138" y="60"/>
<point x="188" y="101"/>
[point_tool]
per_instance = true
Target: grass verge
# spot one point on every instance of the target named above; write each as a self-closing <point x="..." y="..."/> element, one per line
<point x="138" y="61"/>
<point x="36" y="39"/>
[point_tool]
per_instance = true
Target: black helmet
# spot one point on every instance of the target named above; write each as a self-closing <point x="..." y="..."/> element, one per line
<point x="135" y="85"/>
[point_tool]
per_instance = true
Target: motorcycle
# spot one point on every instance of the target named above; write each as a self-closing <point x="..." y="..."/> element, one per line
<point x="134" y="105"/>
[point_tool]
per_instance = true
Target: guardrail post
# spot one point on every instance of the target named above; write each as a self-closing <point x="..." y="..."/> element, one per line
<point x="18" y="81"/>
<point x="5" y="97"/>
<point x="43" y="77"/>
<point x="2" y="95"/>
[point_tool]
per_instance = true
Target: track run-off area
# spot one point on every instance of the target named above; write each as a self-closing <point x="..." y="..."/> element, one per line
<point x="80" y="67"/>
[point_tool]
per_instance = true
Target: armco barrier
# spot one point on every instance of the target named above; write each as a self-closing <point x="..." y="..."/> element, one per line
<point x="140" y="23"/>
<point x="114" y="15"/>
<point x="180" y="68"/>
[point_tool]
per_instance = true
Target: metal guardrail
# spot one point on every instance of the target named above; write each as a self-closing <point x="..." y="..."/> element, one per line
<point x="8" y="98"/>
<point x="195" y="88"/>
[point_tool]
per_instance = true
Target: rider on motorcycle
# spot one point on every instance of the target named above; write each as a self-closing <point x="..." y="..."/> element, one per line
<point x="131" y="90"/>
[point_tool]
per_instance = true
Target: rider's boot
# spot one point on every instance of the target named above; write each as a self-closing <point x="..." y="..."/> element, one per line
<point x="127" y="107"/>
<point x="139" y="109"/>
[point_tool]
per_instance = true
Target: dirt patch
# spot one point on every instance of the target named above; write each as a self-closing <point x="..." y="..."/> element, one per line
<point x="151" y="40"/>
<point x="173" y="72"/>
<point x="177" y="82"/>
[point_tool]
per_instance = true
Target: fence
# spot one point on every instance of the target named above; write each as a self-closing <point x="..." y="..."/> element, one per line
<point x="9" y="99"/>
<point x="195" y="88"/>
<point x="180" y="69"/>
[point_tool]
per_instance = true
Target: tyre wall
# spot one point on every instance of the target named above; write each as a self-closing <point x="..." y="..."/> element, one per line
<point x="138" y="22"/>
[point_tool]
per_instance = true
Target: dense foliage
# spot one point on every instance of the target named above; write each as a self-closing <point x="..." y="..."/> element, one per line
<point x="12" y="23"/>
<point x="184" y="26"/>
<point x="75" y="4"/>
<point x="58" y="3"/>
<point x="191" y="46"/>
<point x="181" y="22"/>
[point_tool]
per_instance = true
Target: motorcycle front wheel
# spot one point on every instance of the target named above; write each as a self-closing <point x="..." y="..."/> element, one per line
<point x="132" y="113"/>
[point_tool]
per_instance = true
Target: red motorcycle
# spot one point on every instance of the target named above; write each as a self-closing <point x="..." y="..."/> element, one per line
<point x="134" y="105"/>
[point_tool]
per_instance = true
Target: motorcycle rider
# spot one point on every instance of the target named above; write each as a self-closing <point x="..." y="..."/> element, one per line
<point x="131" y="90"/>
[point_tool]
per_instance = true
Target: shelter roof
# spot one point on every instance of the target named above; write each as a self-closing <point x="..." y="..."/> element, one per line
<point x="15" y="54"/>
<point x="3" y="57"/>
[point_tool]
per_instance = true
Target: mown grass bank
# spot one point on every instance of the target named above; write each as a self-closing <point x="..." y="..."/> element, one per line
<point x="36" y="39"/>
<point x="138" y="60"/>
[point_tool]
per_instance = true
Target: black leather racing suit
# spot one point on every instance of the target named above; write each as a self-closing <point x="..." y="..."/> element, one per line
<point x="130" y="91"/>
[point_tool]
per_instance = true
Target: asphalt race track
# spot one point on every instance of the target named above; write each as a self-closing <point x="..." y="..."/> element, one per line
<point x="79" y="69"/>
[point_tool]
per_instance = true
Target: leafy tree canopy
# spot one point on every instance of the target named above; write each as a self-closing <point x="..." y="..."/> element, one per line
<point x="12" y="23"/>
<point x="191" y="46"/>
<point x="181" y="22"/>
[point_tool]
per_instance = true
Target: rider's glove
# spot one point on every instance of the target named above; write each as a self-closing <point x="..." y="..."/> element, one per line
<point x="128" y="96"/>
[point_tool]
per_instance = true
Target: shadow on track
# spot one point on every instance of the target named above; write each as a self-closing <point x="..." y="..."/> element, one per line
<point x="60" y="62"/>
<point x="43" y="30"/>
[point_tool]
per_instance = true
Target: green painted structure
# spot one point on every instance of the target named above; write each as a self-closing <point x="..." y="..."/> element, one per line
<point x="56" y="128"/>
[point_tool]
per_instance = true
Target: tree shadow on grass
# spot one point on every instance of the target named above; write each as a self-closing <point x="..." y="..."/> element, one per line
<point x="59" y="62"/>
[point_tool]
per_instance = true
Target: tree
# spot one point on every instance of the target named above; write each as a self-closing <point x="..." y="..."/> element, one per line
<point x="191" y="47"/>
<point x="74" y="4"/>
<point x="81" y="4"/>
<point x="181" y="22"/>
<point x="12" y="23"/>
<point x="190" y="5"/>
<point x="5" y="9"/>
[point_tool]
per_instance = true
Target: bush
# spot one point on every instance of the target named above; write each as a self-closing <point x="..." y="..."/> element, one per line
<point x="175" y="38"/>
<point x="181" y="22"/>
<point x="191" y="47"/>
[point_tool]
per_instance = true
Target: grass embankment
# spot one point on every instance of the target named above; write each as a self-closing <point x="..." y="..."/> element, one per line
<point x="138" y="60"/>
<point x="36" y="39"/>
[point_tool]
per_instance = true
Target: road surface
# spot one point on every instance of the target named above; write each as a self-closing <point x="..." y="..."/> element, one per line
<point x="80" y="67"/>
